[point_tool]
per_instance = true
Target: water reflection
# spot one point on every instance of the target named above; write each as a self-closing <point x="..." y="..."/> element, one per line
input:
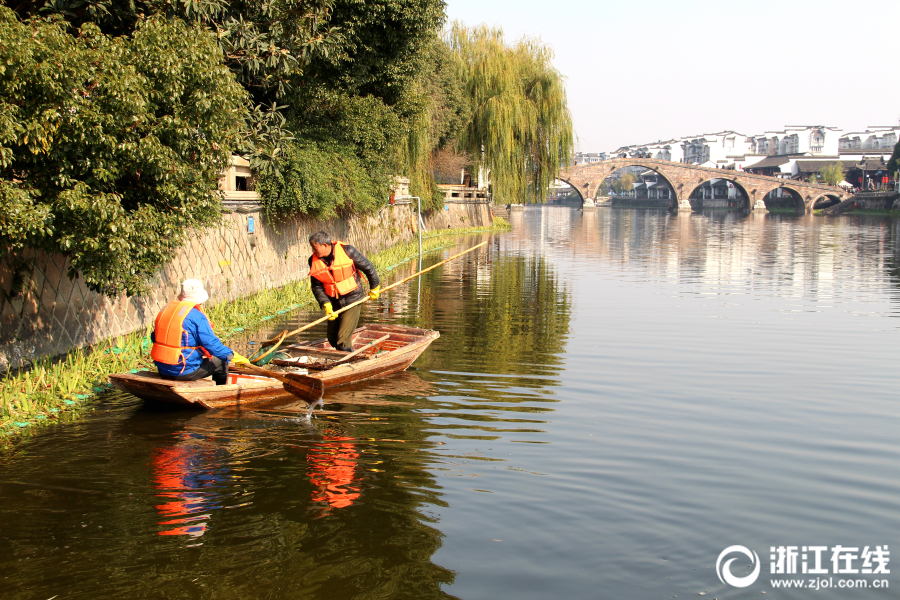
<point x="188" y="473"/>
<point x="614" y="398"/>
<point x="332" y="469"/>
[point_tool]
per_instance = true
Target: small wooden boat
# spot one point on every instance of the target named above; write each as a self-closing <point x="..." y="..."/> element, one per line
<point x="401" y="348"/>
<point x="396" y="353"/>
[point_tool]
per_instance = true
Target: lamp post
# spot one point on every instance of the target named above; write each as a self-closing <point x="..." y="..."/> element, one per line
<point x="864" y="163"/>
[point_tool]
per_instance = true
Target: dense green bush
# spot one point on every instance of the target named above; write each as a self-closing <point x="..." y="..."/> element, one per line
<point x="110" y="147"/>
<point x="266" y="44"/>
<point x="322" y="181"/>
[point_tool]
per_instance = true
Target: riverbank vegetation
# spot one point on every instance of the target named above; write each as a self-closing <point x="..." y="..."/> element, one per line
<point x="110" y="147"/>
<point x="59" y="388"/>
<point x="117" y="117"/>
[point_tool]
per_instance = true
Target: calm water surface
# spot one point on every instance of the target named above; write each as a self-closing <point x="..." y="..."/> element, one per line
<point x="615" y="398"/>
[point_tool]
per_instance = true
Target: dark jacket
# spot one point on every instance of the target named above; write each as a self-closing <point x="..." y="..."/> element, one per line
<point x="363" y="265"/>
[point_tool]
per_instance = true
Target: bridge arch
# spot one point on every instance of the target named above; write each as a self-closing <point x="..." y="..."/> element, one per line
<point x="746" y="202"/>
<point x="674" y="195"/>
<point x="574" y="187"/>
<point x="825" y="200"/>
<point x="785" y="196"/>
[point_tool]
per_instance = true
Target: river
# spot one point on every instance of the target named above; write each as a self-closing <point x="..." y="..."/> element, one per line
<point x="616" y="397"/>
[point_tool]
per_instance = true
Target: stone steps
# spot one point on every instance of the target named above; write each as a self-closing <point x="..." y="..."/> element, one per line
<point x="500" y="210"/>
<point x="839" y="208"/>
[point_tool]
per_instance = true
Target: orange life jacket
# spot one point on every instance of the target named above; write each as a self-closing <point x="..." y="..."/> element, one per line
<point x="340" y="278"/>
<point x="168" y="332"/>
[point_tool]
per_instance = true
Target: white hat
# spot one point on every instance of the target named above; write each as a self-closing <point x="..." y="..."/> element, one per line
<point x="192" y="291"/>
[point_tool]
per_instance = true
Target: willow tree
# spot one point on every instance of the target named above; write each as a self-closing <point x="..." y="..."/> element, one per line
<point x="521" y="128"/>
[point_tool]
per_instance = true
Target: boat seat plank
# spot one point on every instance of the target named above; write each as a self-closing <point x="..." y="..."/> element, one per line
<point x="156" y="379"/>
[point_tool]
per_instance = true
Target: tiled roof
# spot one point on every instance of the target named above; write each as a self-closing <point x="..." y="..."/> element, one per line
<point x="769" y="162"/>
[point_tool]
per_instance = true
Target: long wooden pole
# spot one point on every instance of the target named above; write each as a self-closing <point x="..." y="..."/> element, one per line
<point x="265" y="372"/>
<point x="366" y="299"/>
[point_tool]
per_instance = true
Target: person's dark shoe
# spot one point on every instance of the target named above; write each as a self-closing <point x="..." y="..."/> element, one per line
<point x="344" y="348"/>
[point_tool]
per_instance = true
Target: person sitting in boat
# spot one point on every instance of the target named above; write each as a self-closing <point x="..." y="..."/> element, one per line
<point x="334" y="269"/>
<point x="184" y="345"/>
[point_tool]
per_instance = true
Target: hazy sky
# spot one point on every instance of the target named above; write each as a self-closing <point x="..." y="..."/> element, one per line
<point x="638" y="71"/>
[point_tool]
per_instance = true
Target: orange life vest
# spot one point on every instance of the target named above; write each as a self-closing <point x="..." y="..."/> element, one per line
<point x="340" y="278"/>
<point x="168" y="332"/>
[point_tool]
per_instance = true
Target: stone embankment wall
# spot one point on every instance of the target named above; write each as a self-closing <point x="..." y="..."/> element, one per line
<point x="877" y="201"/>
<point x="43" y="312"/>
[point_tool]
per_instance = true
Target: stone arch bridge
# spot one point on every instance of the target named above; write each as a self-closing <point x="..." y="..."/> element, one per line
<point x="685" y="178"/>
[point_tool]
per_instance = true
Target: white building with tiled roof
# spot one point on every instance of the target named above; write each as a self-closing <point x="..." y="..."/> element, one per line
<point x="777" y="151"/>
<point x="877" y="138"/>
<point x="808" y="140"/>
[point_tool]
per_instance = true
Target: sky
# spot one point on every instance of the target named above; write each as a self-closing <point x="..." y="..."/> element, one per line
<point x="640" y="71"/>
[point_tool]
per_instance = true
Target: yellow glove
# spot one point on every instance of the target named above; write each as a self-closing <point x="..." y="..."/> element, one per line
<point x="240" y="360"/>
<point x="375" y="292"/>
<point x="329" y="311"/>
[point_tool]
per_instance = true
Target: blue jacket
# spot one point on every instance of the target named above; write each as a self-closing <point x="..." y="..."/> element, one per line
<point x="197" y="332"/>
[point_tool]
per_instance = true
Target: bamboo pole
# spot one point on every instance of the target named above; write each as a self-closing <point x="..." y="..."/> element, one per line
<point x="273" y="349"/>
<point x="357" y="351"/>
<point x="366" y="299"/>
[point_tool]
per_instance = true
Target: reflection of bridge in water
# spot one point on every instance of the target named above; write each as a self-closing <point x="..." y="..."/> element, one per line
<point x="684" y="179"/>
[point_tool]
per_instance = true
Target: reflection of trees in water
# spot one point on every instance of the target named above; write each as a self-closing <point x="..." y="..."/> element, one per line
<point x="508" y="314"/>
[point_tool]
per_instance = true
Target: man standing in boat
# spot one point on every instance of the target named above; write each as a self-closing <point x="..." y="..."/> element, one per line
<point x="334" y="269"/>
<point x="184" y="345"/>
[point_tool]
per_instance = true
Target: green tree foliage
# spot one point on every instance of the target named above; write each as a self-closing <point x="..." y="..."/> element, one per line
<point x="520" y="128"/>
<point x="894" y="164"/>
<point x="322" y="181"/>
<point x="623" y="184"/>
<point x="267" y="44"/>
<point x="383" y="46"/>
<point x="440" y="110"/>
<point x="831" y="174"/>
<point x="110" y="147"/>
<point x="603" y="189"/>
<point x="389" y="93"/>
<point x="359" y="136"/>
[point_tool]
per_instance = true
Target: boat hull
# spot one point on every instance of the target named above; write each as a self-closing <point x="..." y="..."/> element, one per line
<point x="202" y="394"/>
<point x="402" y="348"/>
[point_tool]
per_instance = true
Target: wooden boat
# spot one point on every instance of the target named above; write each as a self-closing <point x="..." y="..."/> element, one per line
<point x="401" y="348"/>
<point x="241" y="389"/>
